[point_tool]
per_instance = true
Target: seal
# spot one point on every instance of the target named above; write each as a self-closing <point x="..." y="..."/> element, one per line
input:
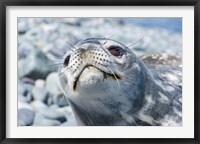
<point x="106" y="84"/>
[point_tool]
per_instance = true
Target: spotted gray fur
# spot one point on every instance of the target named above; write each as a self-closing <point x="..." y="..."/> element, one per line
<point x="108" y="90"/>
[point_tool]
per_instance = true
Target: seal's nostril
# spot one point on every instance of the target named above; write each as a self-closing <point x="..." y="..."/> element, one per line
<point x="66" y="61"/>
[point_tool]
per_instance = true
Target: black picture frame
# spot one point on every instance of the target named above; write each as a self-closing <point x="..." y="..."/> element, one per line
<point x="5" y="3"/>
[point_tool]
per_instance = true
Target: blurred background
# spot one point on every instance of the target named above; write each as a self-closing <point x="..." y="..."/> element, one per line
<point x="42" y="42"/>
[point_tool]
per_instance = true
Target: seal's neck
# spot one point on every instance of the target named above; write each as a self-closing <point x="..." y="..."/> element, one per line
<point x="117" y="109"/>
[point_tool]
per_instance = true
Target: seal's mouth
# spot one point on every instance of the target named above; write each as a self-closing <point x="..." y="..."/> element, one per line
<point x="106" y="76"/>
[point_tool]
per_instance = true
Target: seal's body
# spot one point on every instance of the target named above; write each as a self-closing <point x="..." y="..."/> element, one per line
<point x="108" y="85"/>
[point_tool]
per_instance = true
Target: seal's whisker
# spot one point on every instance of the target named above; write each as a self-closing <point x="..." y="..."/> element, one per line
<point x="63" y="96"/>
<point x="72" y="50"/>
<point x="52" y="65"/>
<point x="62" y="73"/>
<point x="114" y="75"/>
<point x="56" y="57"/>
<point x="115" y="62"/>
<point x="71" y="46"/>
<point x="65" y="42"/>
<point x="140" y="40"/>
<point x="65" y="91"/>
<point x="108" y="39"/>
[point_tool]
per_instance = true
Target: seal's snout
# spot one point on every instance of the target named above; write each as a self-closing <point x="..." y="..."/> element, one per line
<point x="86" y="55"/>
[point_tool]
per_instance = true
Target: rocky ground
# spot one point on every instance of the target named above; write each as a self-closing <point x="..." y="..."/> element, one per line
<point x="43" y="41"/>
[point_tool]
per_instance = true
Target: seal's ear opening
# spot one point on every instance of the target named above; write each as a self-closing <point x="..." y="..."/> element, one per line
<point x="62" y="81"/>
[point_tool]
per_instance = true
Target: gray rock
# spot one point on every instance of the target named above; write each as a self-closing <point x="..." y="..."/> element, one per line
<point x="34" y="34"/>
<point x="40" y="83"/>
<point x="60" y="100"/>
<point x="50" y="100"/>
<point x="52" y="113"/>
<point x="22" y="105"/>
<point x="24" y="91"/>
<point x="69" y="123"/>
<point x="40" y="120"/>
<point x="52" y="84"/>
<point x="24" y="49"/>
<point x="22" y="25"/>
<point x="39" y="94"/>
<point x="23" y="87"/>
<point x="25" y="98"/>
<point x="69" y="116"/>
<point x="37" y="105"/>
<point x="48" y="112"/>
<point x="25" y="117"/>
<point x="53" y="87"/>
<point x="35" y="66"/>
<point x="71" y="21"/>
<point x="54" y="106"/>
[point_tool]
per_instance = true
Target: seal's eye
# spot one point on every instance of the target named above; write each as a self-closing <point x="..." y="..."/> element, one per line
<point x="115" y="50"/>
<point x="66" y="61"/>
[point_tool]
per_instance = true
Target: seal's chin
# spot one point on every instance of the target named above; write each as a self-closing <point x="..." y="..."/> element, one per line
<point x="91" y="77"/>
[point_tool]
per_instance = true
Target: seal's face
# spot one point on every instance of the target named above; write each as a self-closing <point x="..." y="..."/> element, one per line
<point x="95" y="66"/>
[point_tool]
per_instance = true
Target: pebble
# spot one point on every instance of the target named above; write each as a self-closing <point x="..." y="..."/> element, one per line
<point x="48" y="112"/>
<point x="25" y="117"/>
<point x="22" y="26"/>
<point x="39" y="94"/>
<point x="40" y="83"/>
<point x="25" y="98"/>
<point x="53" y="87"/>
<point x="52" y="113"/>
<point x="37" y="105"/>
<point x="24" y="91"/>
<point x="60" y="100"/>
<point x="22" y="105"/>
<point x="40" y="120"/>
<point x="35" y="65"/>
<point x="52" y="84"/>
<point x="24" y="49"/>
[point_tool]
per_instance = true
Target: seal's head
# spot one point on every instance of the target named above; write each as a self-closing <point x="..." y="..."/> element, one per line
<point x="101" y="74"/>
<point x="97" y="65"/>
